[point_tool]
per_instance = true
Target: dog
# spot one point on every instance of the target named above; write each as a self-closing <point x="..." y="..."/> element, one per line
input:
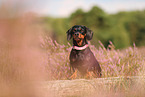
<point x="81" y="57"/>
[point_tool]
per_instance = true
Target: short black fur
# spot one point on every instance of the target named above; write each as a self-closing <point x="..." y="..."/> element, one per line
<point x="82" y="60"/>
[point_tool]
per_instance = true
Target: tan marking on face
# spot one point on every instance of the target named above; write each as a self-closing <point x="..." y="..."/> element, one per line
<point x="79" y="39"/>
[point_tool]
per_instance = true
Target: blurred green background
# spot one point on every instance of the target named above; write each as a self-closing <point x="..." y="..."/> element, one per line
<point x="122" y="28"/>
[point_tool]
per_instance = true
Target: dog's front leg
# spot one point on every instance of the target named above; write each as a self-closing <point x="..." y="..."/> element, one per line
<point x="89" y="75"/>
<point x="74" y="75"/>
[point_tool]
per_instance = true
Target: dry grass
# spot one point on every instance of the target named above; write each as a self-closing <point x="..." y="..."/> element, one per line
<point x="114" y="63"/>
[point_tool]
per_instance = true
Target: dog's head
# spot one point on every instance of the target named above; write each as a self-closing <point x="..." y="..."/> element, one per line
<point x="79" y="33"/>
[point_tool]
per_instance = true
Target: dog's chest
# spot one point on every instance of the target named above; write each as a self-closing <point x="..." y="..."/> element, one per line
<point x="81" y="57"/>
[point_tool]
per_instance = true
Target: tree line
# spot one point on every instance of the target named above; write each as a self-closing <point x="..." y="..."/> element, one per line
<point x="122" y="28"/>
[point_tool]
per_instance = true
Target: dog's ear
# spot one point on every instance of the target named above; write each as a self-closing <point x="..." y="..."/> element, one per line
<point x="89" y="34"/>
<point x="69" y="34"/>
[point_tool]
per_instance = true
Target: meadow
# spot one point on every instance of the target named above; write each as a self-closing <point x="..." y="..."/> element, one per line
<point x="29" y="57"/>
<point x="114" y="63"/>
<point x="123" y="71"/>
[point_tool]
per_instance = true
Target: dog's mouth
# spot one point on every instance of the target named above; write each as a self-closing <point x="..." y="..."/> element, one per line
<point x="79" y="37"/>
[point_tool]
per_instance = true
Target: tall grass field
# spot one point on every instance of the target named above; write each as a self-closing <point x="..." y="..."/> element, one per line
<point x="114" y="63"/>
<point x="28" y="58"/>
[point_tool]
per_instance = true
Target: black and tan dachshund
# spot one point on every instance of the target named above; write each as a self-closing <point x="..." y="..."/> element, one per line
<point x="81" y="57"/>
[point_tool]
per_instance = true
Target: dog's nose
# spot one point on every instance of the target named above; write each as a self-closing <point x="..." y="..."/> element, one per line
<point x="76" y="34"/>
